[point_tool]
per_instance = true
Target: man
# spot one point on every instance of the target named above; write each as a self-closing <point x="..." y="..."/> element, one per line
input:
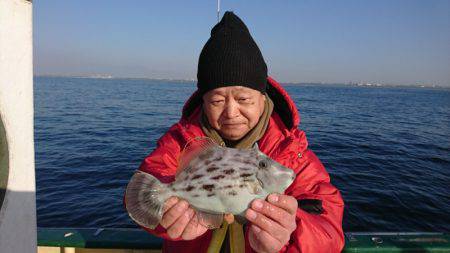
<point x="238" y="105"/>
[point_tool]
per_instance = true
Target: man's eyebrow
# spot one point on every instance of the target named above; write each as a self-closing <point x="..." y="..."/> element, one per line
<point x="221" y="93"/>
<point x="243" y="92"/>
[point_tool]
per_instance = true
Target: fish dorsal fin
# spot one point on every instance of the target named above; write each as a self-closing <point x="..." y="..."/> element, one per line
<point x="193" y="149"/>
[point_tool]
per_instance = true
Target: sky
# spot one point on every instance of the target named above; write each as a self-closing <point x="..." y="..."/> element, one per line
<point x="386" y="41"/>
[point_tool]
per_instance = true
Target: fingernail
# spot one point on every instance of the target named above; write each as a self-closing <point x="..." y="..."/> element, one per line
<point x="251" y="214"/>
<point x="257" y="204"/>
<point x="273" y="198"/>
<point x="256" y="229"/>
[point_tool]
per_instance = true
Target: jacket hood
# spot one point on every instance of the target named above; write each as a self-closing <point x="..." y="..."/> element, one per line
<point x="284" y="106"/>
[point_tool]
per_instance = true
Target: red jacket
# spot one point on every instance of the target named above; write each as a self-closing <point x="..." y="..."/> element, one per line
<point x="286" y="144"/>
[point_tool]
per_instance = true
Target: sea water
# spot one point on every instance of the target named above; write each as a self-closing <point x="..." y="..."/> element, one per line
<point x="387" y="149"/>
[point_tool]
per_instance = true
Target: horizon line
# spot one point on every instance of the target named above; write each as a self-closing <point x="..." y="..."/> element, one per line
<point x="349" y="83"/>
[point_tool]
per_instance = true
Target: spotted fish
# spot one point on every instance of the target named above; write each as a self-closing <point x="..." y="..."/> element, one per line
<point x="214" y="180"/>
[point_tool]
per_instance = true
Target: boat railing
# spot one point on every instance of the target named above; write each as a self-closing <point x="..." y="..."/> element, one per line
<point x="127" y="239"/>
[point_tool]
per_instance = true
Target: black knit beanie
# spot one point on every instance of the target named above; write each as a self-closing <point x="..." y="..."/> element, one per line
<point x="231" y="57"/>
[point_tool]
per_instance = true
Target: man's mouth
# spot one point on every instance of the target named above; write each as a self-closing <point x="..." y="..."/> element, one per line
<point x="231" y="124"/>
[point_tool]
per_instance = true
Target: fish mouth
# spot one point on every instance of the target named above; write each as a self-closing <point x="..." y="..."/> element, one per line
<point x="293" y="175"/>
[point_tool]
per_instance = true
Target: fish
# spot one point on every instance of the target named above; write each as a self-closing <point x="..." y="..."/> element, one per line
<point x="213" y="179"/>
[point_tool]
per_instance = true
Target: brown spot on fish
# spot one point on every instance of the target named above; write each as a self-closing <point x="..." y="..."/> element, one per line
<point x="228" y="171"/>
<point x="218" y="177"/>
<point x="228" y="186"/>
<point x="241" y="185"/>
<point x="195" y="196"/>
<point x="189" y="188"/>
<point x="211" y="194"/>
<point x="208" y="162"/>
<point x="211" y="169"/>
<point x="232" y="193"/>
<point x="208" y="187"/>
<point x="189" y="170"/>
<point x="248" y="180"/>
<point x="246" y="174"/>
<point x="218" y="159"/>
<point x="197" y="176"/>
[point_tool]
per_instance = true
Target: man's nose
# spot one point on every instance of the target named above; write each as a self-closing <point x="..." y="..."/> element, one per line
<point x="231" y="110"/>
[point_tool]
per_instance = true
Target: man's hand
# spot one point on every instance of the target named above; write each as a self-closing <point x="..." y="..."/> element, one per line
<point x="271" y="222"/>
<point x="180" y="220"/>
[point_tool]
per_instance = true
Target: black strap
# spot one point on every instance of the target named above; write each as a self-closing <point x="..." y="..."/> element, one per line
<point x="312" y="206"/>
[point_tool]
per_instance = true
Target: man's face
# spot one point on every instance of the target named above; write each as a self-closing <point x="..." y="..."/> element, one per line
<point x="233" y="111"/>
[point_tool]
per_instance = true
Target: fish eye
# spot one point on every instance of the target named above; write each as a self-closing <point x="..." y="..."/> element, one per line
<point x="263" y="164"/>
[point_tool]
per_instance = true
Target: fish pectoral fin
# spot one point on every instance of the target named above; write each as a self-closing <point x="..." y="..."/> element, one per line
<point x="254" y="187"/>
<point x="209" y="220"/>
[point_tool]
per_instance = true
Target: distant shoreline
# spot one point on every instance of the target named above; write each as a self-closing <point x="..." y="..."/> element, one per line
<point x="118" y="78"/>
<point x="352" y="84"/>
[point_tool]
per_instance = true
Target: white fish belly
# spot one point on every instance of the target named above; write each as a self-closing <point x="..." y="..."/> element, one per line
<point x="208" y="204"/>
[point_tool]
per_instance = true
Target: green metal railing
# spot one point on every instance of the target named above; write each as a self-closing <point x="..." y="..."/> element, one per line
<point x="124" y="238"/>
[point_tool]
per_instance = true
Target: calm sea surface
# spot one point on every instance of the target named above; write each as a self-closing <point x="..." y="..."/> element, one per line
<point x="386" y="149"/>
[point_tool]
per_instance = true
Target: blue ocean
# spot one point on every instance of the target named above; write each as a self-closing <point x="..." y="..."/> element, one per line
<point x="387" y="149"/>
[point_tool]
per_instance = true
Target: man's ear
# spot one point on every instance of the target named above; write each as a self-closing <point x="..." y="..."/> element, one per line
<point x="263" y="103"/>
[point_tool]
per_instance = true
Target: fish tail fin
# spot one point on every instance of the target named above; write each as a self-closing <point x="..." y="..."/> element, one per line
<point x="144" y="199"/>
